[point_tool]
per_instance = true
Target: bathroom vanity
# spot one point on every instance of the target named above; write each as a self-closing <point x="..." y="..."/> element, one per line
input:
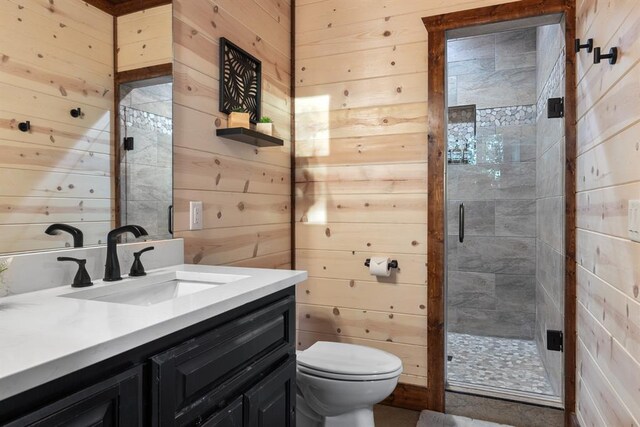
<point x="208" y="346"/>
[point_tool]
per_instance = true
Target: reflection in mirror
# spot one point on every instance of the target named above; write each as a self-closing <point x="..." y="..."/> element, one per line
<point x="146" y="155"/>
<point x="55" y="59"/>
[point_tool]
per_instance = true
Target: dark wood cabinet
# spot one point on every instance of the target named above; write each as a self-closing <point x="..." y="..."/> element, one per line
<point x="237" y="369"/>
<point x="113" y="402"/>
<point x="272" y="401"/>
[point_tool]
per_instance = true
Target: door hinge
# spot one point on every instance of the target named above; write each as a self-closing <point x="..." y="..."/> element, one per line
<point x="555" y="108"/>
<point x="555" y="340"/>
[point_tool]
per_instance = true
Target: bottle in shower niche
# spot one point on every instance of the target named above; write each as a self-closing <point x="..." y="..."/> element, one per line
<point x="456" y="154"/>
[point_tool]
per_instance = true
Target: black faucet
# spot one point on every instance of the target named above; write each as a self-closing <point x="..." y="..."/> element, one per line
<point x="82" y="278"/>
<point x="55" y="229"/>
<point x="112" y="266"/>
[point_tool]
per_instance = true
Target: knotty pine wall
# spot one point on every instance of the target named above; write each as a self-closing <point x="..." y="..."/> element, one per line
<point x="55" y="56"/>
<point x="608" y="171"/>
<point x="246" y="191"/>
<point x="145" y="38"/>
<point x="361" y="167"/>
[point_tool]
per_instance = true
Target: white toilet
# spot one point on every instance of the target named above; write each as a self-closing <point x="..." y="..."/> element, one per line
<point x="338" y="384"/>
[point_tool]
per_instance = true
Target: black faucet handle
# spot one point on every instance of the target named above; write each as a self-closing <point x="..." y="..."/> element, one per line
<point x="137" y="269"/>
<point x="82" y="278"/>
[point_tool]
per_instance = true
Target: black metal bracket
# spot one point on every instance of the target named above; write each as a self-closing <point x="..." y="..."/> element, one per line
<point x="128" y="143"/>
<point x="555" y="108"/>
<point x="588" y="45"/>
<point x="24" y="126"/>
<point x="76" y="112"/>
<point x="555" y="340"/>
<point x="392" y="264"/>
<point x="612" y="56"/>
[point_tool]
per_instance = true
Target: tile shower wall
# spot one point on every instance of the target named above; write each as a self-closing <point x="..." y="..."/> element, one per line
<point x="147" y="169"/>
<point x="550" y="200"/>
<point x="491" y="276"/>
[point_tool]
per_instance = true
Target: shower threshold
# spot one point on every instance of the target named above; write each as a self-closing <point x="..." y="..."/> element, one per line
<point x="502" y="394"/>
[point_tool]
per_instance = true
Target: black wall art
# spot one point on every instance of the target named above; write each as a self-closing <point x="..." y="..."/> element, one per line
<point x="240" y="80"/>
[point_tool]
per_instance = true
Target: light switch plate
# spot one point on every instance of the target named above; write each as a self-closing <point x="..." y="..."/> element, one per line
<point x="634" y="220"/>
<point x="195" y="215"/>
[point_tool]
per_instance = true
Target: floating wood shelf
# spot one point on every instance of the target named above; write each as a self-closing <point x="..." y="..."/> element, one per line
<point x="249" y="136"/>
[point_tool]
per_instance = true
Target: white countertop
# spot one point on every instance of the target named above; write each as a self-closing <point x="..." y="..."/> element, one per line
<point x="44" y="336"/>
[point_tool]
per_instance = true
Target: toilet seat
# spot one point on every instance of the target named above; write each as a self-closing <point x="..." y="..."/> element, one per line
<point x="348" y="362"/>
<point x="347" y="377"/>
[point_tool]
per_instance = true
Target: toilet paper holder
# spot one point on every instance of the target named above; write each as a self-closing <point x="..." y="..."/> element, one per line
<point x="392" y="264"/>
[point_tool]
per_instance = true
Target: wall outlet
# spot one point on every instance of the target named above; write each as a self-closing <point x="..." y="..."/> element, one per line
<point x="195" y="215"/>
<point x="634" y="220"/>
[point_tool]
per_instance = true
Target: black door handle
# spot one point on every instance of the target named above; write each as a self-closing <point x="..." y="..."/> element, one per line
<point x="461" y="223"/>
<point x="170" y="222"/>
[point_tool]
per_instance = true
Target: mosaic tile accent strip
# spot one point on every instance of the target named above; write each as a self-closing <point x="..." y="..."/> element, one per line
<point x="507" y="116"/>
<point x="146" y="121"/>
<point x="504" y="363"/>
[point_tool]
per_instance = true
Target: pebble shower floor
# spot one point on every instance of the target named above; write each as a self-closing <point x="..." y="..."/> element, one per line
<point x="504" y="363"/>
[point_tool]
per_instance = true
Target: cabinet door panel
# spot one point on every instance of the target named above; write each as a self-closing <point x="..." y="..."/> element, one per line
<point x="272" y="401"/>
<point x="231" y="416"/>
<point x="113" y="402"/>
<point x="186" y="377"/>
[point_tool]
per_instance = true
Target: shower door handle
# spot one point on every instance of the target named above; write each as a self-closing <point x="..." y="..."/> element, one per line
<point x="461" y="223"/>
<point x="170" y="221"/>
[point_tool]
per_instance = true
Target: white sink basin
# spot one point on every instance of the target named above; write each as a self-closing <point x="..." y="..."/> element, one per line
<point x="153" y="290"/>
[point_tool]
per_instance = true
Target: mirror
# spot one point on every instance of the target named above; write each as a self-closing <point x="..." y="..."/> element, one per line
<point x="58" y="123"/>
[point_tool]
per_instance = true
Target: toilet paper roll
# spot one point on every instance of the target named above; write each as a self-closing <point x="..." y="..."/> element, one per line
<point x="379" y="266"/>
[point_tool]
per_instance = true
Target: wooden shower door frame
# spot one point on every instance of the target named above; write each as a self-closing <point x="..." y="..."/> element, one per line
<point x="437" y="26"/>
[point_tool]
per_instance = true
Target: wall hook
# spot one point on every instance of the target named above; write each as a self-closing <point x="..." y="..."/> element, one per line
<point x="76" y="112"/>
<point x="588" y="45"/>
<point x="612" y="56"/>
<point x="24" y="126"/>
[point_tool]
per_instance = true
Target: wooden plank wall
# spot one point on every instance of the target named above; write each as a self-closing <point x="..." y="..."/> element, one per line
<point x="361" y="168"/>
<point x="246" y="191"/>
<point x="54" y="57"/>
<point x="608" y="360"/>
<point x="145" y="38"/>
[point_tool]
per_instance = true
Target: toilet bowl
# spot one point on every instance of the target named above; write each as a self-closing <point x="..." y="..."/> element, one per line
<point x="338" y="384"/>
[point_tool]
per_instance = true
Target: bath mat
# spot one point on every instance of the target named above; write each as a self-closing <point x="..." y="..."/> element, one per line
<point x="437" y="419"/>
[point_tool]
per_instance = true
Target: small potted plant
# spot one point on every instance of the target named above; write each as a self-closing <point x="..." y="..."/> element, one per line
<point x="265" y="125"/>
<point x="238" y="118"/>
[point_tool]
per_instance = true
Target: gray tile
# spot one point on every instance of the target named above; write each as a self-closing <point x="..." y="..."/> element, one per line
<point x="469" y="289"/>
<point x="515" y="218"/>
<point x="471" y="182"/>
<point x="165" y="150"/>
<point x="521" y="134"/>
<point x="515" y="60"/>
<point x="551" y="222"/>
<point x="494" y="323"/>
<point x="452" y="91"/>
<point x="516" y="181"/>
<point x="550" y="173"/>
<point x="497" y="89"/>
<point x="479" y="217"/>
<point x="471" y="66"/>
<point x="506" y="255"/>
<point x="516" y="42"/>
<point x="515" y="293"/>
<point x="548" y="317"/>
<point x="471" y="48"/>
<point x="550" y="271"/>
<point x="552" y="38"/>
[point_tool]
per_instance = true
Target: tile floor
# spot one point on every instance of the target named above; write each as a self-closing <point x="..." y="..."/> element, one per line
<point x="503" y="363"/>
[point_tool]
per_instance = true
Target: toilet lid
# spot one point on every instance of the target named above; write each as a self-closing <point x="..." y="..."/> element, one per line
<point x="348" y="359"/>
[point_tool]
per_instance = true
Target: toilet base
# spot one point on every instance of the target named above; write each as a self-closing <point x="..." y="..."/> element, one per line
<point x="306" y="417"/>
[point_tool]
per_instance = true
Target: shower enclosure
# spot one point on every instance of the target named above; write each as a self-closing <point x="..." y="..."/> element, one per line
<point x="505" y="213"/>
<point x="146" y="155"/>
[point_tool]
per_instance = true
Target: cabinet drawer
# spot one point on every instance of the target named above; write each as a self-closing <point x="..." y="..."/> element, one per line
<point x="183" y="375"/>
<point x="113" y="402"/>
